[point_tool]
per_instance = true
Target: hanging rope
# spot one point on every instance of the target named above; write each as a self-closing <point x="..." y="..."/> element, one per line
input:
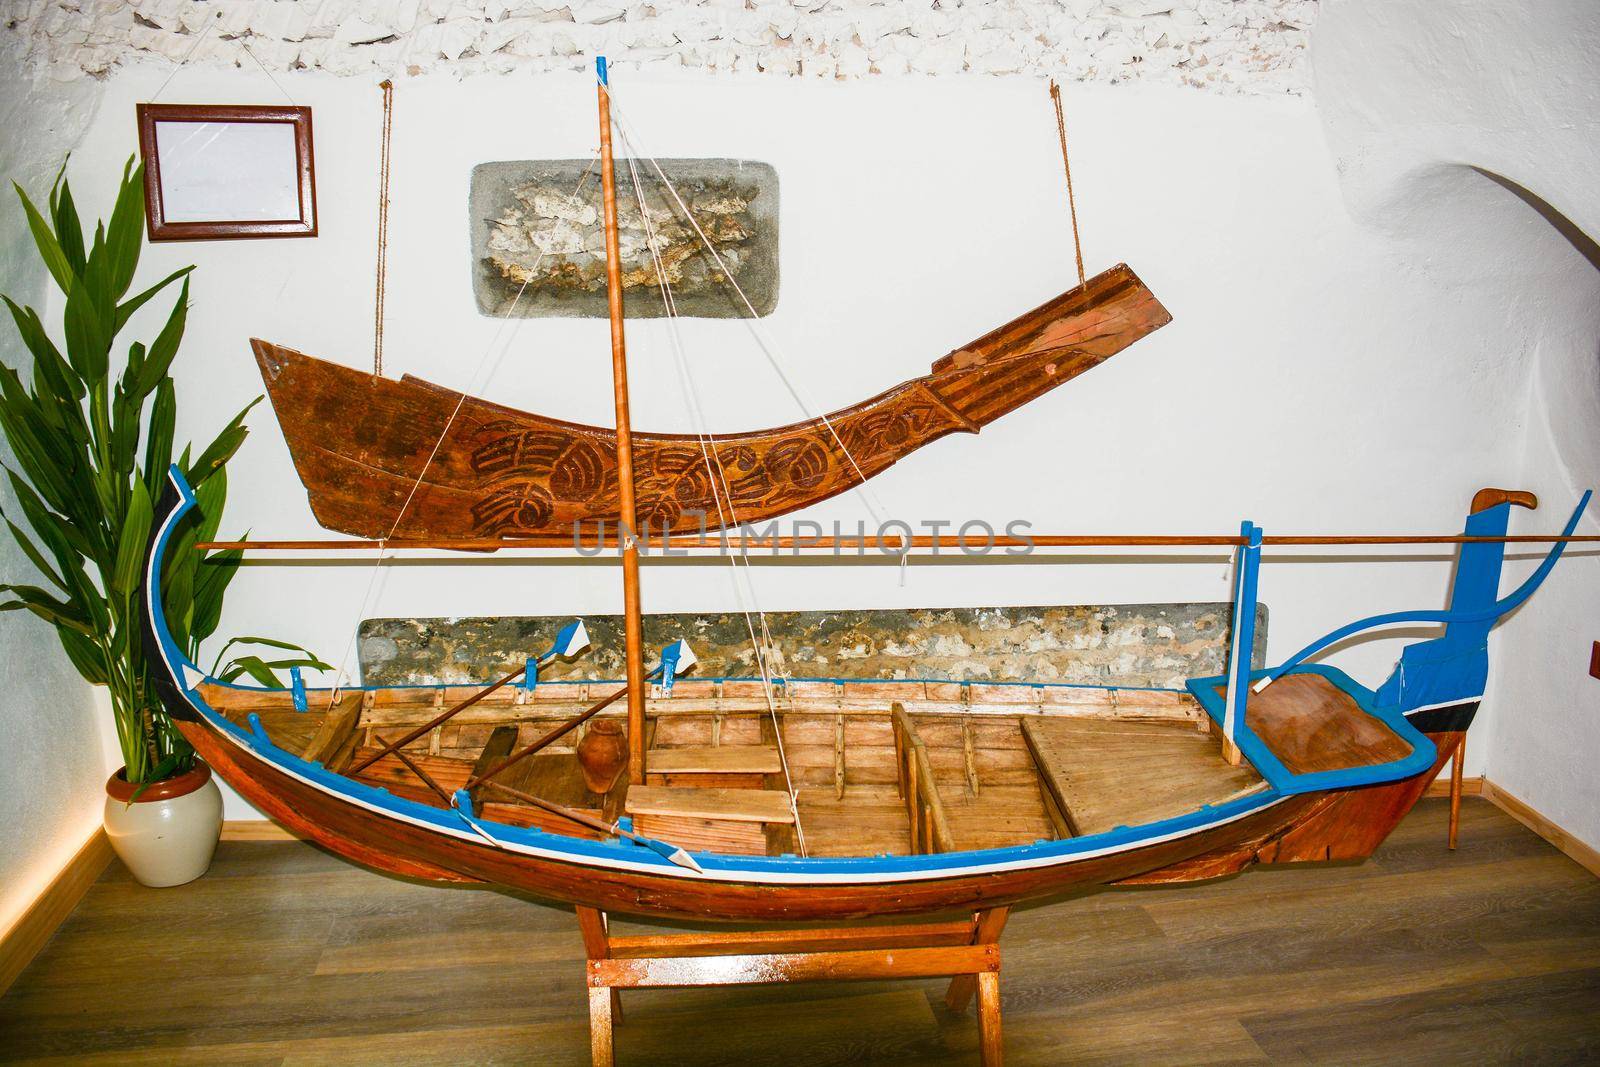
<point x="1072" y="205"/>
<point x="383" y="226"/>
<point x="721" y="494"/>
<point x="753" y="319"/>
<point x="481" y="374"/>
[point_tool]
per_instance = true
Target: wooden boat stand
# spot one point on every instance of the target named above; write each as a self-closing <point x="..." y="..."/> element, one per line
<point x="967" y="951"/>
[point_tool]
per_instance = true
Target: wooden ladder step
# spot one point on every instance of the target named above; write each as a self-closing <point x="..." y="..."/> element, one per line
<point x="715" y="759"/>
<point x="736" y="805"/>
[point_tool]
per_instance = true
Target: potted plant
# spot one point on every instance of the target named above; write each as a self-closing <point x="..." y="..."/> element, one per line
<point x="91" y="451"/>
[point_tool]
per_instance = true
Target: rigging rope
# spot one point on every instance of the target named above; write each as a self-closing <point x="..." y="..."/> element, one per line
<point x="383" y="226"/>
<point x="768" y="345"/>
<point x="1072" y="205"/>
<point x="484" y="370"/>
<point x="716" y="476"/>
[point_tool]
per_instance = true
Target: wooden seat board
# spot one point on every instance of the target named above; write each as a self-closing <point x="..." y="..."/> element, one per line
<point x="738" y="805"/>
<point x="715" y="759"/>
<point x="1312" y="725"/>
<point x="1103" y="775"/>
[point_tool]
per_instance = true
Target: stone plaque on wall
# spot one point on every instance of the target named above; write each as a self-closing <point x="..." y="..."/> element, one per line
<point x="537" y="231"/>
<point x="1105" y="644"/>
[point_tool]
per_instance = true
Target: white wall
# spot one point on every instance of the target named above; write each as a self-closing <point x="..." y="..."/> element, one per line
<point x="51" y="766"/>
<point x="1313" y="379"/>
<point x="1421" y="100"/>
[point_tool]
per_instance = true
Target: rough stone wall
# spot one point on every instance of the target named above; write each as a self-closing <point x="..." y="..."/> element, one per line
<point x="1126" y="644"/>
<point x="1256" y="46"/>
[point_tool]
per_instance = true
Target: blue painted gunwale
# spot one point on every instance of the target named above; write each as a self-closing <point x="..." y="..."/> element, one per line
<point x="1284" y="781"/>
<point x="623" y="854"/>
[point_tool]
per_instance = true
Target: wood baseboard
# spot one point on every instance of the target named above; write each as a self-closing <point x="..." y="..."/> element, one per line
<point x="33" y="928"/>
<point x="1576" y="850"/>
<point x="255" y="830"/>
<point x="1440" y="786"/>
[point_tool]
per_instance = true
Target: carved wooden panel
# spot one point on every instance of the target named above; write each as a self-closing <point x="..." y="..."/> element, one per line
<point x="360" y="442"/>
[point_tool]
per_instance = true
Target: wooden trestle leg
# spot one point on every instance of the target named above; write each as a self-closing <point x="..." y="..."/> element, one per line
<point x="986" y="929"/>
<point x="1457" y="762"/>
<point x="967" y="951"/>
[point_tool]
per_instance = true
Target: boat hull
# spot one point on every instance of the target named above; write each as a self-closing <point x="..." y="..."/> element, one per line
<point x="370" y="453"/>
<point x="1343" y="824"/>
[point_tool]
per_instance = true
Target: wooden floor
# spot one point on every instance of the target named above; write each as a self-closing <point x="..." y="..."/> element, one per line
<point x="284" y="955"/>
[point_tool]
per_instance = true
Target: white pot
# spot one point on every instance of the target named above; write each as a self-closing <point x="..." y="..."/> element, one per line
<point x="167" y="835"/>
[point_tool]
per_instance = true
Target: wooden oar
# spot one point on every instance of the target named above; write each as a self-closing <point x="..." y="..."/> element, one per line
<point x="555" y="734"/>
<point x="663" y="848"/>
<point x="573" y="638"/>
<point x="677" y="656"/>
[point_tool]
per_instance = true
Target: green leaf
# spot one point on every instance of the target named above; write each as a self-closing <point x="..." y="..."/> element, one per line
<point x="212" y="578"/>
<point x="254" y="667"/>
<point x="64" y="217"/>
<point x="85" y="655"/>
<point x="165" y="347"/>
<point x="125" y="235"/>
<point x="134" y="540"/>
<point x="158" y="440"/>
<point x="168" y="767"/>
<point x="126" y="425"/>
<point x="210" y="500"/>
<point x="53" y="529"/>
<point x="45" y="455"/>
<point x="30" y="550"/>
<point x="88" y="342"/>
<point x="47" y="607"/>
<point x="45" y="354"/>
<point x="222" y="449"/>
<point x="125" y="310"/>
<point x="177" y="594"/>
<point x="55" y="260"/>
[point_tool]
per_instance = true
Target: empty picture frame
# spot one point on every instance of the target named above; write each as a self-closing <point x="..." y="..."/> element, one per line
<point x="223" y="170"/>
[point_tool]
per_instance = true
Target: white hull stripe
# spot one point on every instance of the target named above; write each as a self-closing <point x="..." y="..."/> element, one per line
<point x="752" y="874"/>
<point x="177" y="666"/>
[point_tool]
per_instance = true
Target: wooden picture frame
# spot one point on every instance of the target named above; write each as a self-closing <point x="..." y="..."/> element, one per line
<point x="218" y="171"/>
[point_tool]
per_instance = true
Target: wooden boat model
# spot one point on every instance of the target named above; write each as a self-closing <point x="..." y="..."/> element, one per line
<point x="370" y="452"/>
<point x="910" y="796"/>
<point x="790" y="799"/>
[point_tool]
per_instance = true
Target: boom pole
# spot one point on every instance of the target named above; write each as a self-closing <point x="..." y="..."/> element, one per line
<point x="627" y="512"/>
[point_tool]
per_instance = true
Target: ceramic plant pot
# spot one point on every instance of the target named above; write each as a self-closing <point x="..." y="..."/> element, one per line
<point x="602" y="754"/>
<point x="167" y="835"/>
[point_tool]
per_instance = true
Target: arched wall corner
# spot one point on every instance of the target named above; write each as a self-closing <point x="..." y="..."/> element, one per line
<point x="1469" y="131"/>
<point x="52" y="763"/>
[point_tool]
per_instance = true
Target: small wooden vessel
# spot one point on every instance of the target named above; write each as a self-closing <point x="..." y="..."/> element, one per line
<point x="362" y="443"/>
<point x="785" y="799"/>
<point x="910" y="796"/>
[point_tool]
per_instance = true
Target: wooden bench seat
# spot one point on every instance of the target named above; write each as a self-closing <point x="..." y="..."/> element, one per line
<point x="753" y="822"/>
<point x="734" y="805"/>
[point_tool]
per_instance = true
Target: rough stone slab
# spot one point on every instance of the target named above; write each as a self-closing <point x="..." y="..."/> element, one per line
<point x="538" y="239"/>
<point x="1128" y="644"/>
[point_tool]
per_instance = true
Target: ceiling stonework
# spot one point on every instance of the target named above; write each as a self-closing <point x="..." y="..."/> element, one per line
<point x="1249" y="46"/>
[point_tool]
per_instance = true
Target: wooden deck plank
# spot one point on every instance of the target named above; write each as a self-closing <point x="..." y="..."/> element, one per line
<point x="1107" y="775"/>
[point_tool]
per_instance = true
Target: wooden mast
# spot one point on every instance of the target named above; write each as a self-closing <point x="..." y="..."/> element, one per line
<point x="627" y="513"/>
